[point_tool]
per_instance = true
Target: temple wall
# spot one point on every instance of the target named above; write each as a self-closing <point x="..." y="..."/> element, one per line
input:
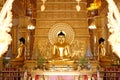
<point x="61" y="12"/>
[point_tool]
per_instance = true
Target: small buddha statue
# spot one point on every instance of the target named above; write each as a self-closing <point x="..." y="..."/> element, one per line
<point x="101" y="48"/>
<point x="102" y="57"/>
<point x="21" y="50"/>
<point x="61" y="49"/>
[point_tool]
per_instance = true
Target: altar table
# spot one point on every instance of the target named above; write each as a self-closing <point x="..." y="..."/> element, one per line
<point x="62" y="75"/>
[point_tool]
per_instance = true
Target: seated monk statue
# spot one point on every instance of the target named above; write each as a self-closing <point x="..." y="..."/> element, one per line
<point x="61" y="48"/>
<point x="21" y="50"/>
<point x="101" y="48"/>
<point x="102" y="57"/>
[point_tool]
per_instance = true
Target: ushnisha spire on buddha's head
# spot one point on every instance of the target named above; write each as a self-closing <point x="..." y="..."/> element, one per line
<point x="61" y="33"/>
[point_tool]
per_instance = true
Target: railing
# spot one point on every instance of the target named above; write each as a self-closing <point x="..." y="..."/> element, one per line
<point x="11" y="74"/>
<point x="110" y="73"/>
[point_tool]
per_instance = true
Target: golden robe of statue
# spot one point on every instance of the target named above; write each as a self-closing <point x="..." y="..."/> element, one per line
<point x="21" y="51"/>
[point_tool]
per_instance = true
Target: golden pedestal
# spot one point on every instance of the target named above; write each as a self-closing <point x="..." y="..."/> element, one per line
<point x="63" y="64"/>
<point x="17" y="63"/>
<point x="105" y="61"/>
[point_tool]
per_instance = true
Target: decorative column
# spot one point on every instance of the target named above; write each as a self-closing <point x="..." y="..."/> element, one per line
<point x="92" y="29"/>
<point x="30" y="40"/>
<point x="94" y="44"/>
<point x="1" y="63"/>
<point x="30" y="64"/>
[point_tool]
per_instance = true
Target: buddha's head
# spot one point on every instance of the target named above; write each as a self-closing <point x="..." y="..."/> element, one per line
<point x="61" y="37"/>
<point x="101" y="40"/>
<point x="22" y="40"/>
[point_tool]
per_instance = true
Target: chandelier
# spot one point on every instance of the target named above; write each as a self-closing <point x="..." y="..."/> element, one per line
<point x="43" y="5"/>
<point x="78" y="5"/>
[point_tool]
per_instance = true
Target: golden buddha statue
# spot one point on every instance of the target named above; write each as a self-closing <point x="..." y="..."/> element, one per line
<point x="102" y="57"/>
<point x="101" y="48"/>
<point x="61" y="54"/>
<point x="61" y="48"/>
<point x="61" y="36"/>
<point x="21" y="50"/>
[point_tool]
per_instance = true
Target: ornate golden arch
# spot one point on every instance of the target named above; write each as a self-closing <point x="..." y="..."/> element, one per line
<point x="53" y="32"/>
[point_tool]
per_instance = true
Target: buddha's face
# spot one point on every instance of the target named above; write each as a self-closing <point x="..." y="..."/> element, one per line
<point x="61" y="39"/>
<point x="102" y="43"/>
<point x="19" y="42"/>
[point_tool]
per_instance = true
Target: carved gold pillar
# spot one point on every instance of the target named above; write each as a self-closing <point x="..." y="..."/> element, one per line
<point x="1" y="63"/>
<point x="30" y="41"/>
<point x="93" y="41"/>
